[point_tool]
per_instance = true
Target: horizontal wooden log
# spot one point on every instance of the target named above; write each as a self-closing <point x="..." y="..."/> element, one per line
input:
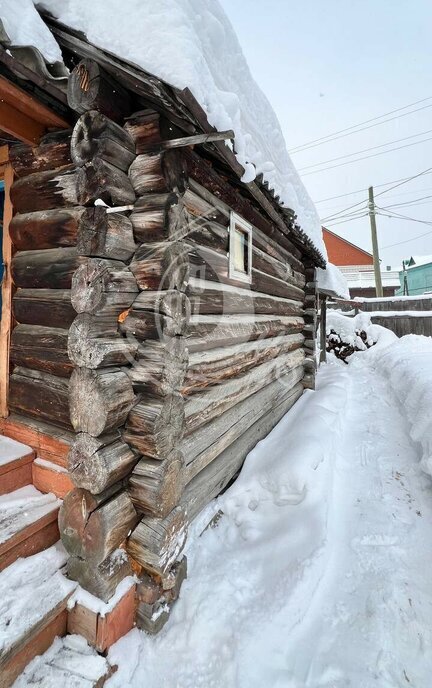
<point x="100" y="580"/>
<point x="155" y="217"/>
<point x="105" y="235"/>
<point x="210" y="482"/>
<point x="95" y="135"/>
<point x="202" y="447"/>
<point x="93" y="526"/>
<point x="155" y="425"/>
<point x="40" y="395"/>
<point x="161" y="266"/>
<point x="91" y="345"/>
<point x="158" y="172"/>
<point x="91" y="88"/>
<point x="41" y="348"/>
<point x="103" y="285"/>
<point x="48" y="269"/>
<point x="145" y="129"/>
<point x="157" y="543"/>
<point x="208" y="331"/>
<point x="48" y="307"/>
<point x="155" y="487"/>
<point x="201" y="408"/>
<point x="99" y="400"/>
<point x="160" y="366"/>
<point x="206" y="368"/>
<point x="52" y="152"/>
<point x="97" y="463"/>
<point x="45" y="190"/>
<point x="213" y="298"/>
<point x="155" y="315"/>
<point x="56" y="228"/>
<point x="101" y="180"/>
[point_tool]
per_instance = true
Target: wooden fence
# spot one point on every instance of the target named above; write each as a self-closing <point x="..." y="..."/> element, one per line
<point x="408" y="315"/>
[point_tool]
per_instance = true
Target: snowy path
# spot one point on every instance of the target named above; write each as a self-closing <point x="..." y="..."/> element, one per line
<point x="319" y="574"/>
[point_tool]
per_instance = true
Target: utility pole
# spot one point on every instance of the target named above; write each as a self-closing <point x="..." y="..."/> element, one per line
<point x="377" y="267"/>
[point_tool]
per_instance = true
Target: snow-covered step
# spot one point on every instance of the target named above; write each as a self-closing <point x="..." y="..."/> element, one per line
<point x="33" y="600"/>
<point x="28" y="523"/>
<point x="15" y="465"/>
<point x="69" y="663"/>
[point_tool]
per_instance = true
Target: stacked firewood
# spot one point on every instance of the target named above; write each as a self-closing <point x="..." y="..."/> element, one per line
<point x="342" y="349"/>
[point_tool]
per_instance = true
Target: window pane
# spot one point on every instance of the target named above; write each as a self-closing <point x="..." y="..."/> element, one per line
<point x="240" y="251"/>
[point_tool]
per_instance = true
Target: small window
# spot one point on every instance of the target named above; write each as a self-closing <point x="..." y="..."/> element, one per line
<point x="240" y="249"/>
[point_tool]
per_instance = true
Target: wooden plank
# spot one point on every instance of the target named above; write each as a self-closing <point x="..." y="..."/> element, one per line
<point x="19" y="125"/>
<point x="7" y="289"/>
<point x="48" y="478"/>
<point x="26" y="103"/>
<point x="16" y="478"/>
<point x="37" y="539"/>
<point x="49" y="442"/>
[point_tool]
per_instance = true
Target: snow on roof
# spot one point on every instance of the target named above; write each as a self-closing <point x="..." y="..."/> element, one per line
<point x="418" y="261"/>
<point x="187" y="43"/>
<point x="332" y="282"/>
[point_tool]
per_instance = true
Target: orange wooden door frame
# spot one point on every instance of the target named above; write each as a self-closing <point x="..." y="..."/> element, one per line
<point x="7" y="286"/>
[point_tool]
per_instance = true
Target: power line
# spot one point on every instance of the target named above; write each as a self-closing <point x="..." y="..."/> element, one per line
<point x="376" y="186"/>
<point x="365" y="150"/>
<point x="335" y="215"/>
<point x="354" y="129"/>
<point x="343" y="221"/>
<point x="406" y="241"/>
<point x="405" y="181"/>
<point x="414" y="201"/>
<point x="398" y="216"/>
<point x="403" y="193"/>
<point x="366" y="157"/>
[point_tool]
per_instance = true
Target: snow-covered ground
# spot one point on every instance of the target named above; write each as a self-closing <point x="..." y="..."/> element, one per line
<point x="319" y="573"/>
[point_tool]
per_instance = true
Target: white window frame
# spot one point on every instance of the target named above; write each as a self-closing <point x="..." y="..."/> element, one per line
<point x="237" y="222"/>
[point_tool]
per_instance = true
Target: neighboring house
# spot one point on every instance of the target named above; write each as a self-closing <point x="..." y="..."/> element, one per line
<point x="418" y="275"/>
<point x="356" y="264"/>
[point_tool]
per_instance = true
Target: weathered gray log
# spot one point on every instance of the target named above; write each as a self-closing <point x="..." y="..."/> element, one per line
<point x="93" y="526"/>
<point x="45" y="190"/>
<point x="52" y="152"/>
<point x="157" y="543"/>
<point x="91" y="88"/>
<point x="209" y="331"/>
<point x="160" y="366"/>
<point x="155" y="315"/>
<point x="155" y="487"/>
<point x="45" y="229"/>
<point x="48" y="307"/>
<point x="91" y="345"/>
<point x="103" y="285"/>
<point x="206" y="368"/>
<point x="159" y="217"/>
<point x="100" y="400"/>
<point x="97" y="463"/>
<point x="144" y="128"/>
<point x="49" y="269"/>
<point x="105" y="235"/>
<point x="158" y="172"/>
<point x="155" y="425"/>
<point x="95" y="135"/>
<point x="40" y="395"/>
<point x="101" y="180"/>
<point x="161" y="266"/>
<point x="41" y="348"/>
<point x="100" y="580"/>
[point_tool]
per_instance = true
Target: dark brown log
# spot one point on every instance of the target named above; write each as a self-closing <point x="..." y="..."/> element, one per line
<point x="47" y="269"/>
<point x="155" y="487"/>
<point x="208" y="331"/>
<point x="40" y="395"/>
<point x="91" y="346"/>
<point x="95" y="135"/>
<point x="91" y="88"/>
<point x="48" y="307"/>
<point x="97" y="463"/>
<point x="101" y="580"/>
<point x="155" y="315"/>
<point x="99" y="400"/>
<point x="157" y="543"/>
<point x="161" y="266"/>
<point x="158" y="172"/>
<point x="101" y="180"/>
<point x="52" y="152"/>
<point x="144" y="128"/>
<point x="106" y="235"/>
<point x="150" y="216"/>
<point x="45" y="190"/>
<point x="160" y="367"/>
<point x="41" y="348"/>
<point x="206" y="368"/>
<point x="92" y="528"/>
<point x="155" y="425"/>
<point x="45" y="229"/>
<point x="103" y="285"/>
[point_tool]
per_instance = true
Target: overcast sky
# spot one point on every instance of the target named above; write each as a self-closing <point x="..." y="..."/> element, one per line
<point x="328" y="65"/>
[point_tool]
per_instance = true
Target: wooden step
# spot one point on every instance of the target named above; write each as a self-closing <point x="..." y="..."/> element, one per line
<point x="48" y="441"/>
<point x="28" y="524"/>
<point x="50" y="477"/>
<point x="15" y="465"/>
<point x="33" y="601"/>
<point x="69" y="662"/>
